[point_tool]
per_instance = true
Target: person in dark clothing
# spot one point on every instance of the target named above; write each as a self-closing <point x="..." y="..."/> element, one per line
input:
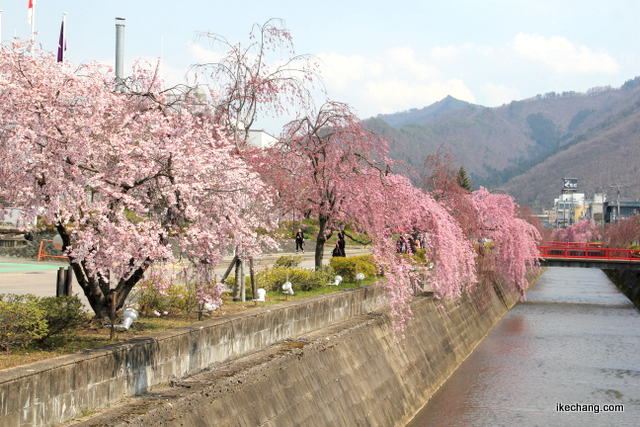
<point x="341" y="244"/>
<point x="299" y="241"/>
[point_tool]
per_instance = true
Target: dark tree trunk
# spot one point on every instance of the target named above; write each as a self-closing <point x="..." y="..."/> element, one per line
<point x="96" y="288"/>
<point x="321" y="240"/>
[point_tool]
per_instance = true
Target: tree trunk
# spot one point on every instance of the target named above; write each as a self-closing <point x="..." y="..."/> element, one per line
<point x="254" y="283"/>
<point x="320" y="240"/>
<point x="237" y="286"/>
<point x="97" y="289"/>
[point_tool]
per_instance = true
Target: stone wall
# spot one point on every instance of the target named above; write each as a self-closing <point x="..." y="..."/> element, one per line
<point x="53" y="391"/>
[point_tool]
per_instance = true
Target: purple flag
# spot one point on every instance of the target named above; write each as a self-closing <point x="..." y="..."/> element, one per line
<point x="62" y="44"/>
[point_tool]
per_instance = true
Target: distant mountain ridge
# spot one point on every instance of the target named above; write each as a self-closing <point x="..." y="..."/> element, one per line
<point x="415" y="115"/>
<point x="517" y="146"/>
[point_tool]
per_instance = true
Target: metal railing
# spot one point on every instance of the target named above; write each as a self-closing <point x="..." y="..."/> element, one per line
<point x="590" y="252"/>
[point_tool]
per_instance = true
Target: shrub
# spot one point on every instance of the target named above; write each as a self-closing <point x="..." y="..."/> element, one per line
<point x="63" y="315"/>
<point x="153" y="298"/>
<point x="273" y="278"/>
<point x="321" y="277"/>
<point x="350" y="266"/>
<point x="301" y="279"/>
<point x="288" y="261"/>
<point x="21" y="320"/>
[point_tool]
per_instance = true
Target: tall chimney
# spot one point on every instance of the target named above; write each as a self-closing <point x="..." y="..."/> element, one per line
<point x="119" y="52"/>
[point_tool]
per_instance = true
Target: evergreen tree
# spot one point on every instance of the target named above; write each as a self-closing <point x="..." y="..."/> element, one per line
<point x="463" y="179"/>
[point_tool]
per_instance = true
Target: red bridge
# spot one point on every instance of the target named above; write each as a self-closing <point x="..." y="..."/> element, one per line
<point x="589" y="255"/>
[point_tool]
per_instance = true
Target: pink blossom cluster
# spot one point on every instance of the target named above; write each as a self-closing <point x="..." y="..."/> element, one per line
<point x="583" y="231"/>
<point x="126" y="178"/>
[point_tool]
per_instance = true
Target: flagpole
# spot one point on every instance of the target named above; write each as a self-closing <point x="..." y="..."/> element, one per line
<point x="63" y="46"/>
<point x="0" y="27"/>
<point x="33" y="21"/>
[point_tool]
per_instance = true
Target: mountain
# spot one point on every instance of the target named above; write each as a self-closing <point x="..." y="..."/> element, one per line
<point x="416" y="116"/>
<point x="527" y="147"/>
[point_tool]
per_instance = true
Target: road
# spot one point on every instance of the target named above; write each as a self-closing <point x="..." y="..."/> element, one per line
<point x="23" y="276"/>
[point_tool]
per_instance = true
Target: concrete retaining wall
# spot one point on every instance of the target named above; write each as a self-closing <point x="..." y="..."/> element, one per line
<point x="343" y="368"/>
<point x="352" y="374"/>
<point x="53" y="391"/>
<point x="628" y="281"/>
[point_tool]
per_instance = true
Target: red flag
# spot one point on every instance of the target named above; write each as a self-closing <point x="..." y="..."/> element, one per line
<point x="30" y="12"/>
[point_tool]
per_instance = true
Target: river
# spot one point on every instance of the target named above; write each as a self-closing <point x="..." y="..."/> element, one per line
<point x="569" y="355"/>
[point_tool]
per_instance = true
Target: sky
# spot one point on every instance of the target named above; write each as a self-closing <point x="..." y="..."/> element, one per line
<point x="379" y="57"/>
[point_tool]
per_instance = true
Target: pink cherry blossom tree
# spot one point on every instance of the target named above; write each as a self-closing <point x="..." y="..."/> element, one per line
<point x="125" y="179"/>
<point x="265" y="77"/>
<point x="622" y="234"/>
<point x="513" y="241"/>
<point x="325" y="165"/>
<point x="450" y="268"/>
<point x="583" y="231"/>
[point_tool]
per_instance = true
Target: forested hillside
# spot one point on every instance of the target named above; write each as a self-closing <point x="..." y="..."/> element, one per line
<point x="527" y="147"/>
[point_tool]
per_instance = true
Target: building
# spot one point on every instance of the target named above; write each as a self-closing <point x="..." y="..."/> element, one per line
<point x="261" y="139"/>
<point x="596" y="208"/>
<point x="568" y="209"/>
<point x="615" y="211"/>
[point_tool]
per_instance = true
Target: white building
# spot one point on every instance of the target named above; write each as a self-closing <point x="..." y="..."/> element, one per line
<point x="261" y="139"/>
<point x="570" y="208"/>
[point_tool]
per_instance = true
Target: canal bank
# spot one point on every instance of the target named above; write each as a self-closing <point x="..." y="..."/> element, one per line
<point x="348" y="373"/>
<point x="569" y="355"/>
<point x="628" y="281"/>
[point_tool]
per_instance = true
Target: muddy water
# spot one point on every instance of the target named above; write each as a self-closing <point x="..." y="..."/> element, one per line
<point x="561" y="358"/>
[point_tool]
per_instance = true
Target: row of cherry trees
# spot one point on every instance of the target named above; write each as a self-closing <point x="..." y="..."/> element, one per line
<point x="131" y="178"/>
<point x="620" y="235"/>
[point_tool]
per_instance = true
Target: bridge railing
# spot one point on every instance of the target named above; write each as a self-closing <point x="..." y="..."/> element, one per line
<point x="589" y="253"/>
<point x="573" y="244"/>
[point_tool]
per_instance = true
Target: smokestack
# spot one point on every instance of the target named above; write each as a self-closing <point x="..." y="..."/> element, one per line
<point x="119" y="52"/>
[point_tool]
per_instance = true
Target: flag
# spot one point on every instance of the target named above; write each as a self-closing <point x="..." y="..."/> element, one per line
<point x="30" y="12"/>
<point x="62" y="43"/>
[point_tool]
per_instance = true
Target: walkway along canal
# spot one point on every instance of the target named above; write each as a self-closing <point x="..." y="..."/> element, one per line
<point x="569" y="355"/>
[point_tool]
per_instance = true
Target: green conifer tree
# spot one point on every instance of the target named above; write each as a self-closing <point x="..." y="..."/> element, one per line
<point x="463" y="179"/>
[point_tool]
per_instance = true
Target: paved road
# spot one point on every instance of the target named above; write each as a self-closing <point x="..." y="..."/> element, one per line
<point x="22" y="276"/>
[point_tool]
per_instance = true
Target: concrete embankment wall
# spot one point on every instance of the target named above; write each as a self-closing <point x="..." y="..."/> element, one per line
<point x="347" y="374"/>
<point x="628" y="281"/>
<point x="344" y="367"/>
<point x="53" y="391"/>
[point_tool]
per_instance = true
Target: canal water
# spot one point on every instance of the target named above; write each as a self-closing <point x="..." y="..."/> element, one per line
<point x="568" y="356"/>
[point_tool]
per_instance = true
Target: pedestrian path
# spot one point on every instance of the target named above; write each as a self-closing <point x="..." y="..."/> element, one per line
<point x="23" y="276"/>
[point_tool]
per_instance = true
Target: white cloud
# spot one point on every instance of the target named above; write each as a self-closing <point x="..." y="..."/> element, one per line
<point x="396" y="79"/>
<point x="562" y="56"/>
<point x="342" y="71"/>
<point x="440" y="52"/>
<point x="486" y="51"/>
<point x="202" y="55"/>
<point x="496" y="95"/>
<point x="403" y="59"/>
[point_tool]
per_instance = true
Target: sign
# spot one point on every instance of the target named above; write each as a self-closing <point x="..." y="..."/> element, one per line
<point x="569" y="184"/>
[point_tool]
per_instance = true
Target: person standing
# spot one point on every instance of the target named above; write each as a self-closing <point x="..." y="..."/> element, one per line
<point x="341" y="243"/>
<point x="299" y="241"/>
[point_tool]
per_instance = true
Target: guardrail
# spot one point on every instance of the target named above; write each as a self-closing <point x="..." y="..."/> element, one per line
<point x="42" y="252"/>
<point x="573" y="244"/>
<point x="586" y="252"/>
